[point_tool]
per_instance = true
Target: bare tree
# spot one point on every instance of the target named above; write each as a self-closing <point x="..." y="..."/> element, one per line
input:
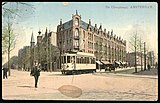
<point x="10" y="11"/>
<point x="134" y="45"/>
<point x="135" y="42"/>
<point x="8" y="40"/>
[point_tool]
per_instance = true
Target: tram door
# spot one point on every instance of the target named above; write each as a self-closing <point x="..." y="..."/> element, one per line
<point x="73" y="62"/>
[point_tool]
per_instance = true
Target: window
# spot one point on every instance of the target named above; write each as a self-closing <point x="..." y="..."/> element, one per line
<point x="76" y="21"/>
<point x="81" y="60"/>
<point x="72" y="59"/>
<point x="68" y="59"/>
<point x="76" y="43"/>
<point x="83" y="34"/>
<point x="70" y="32"/>
<point x="76" y="32"/>
<point x="78" y="60"/>
<point x="87" y="59"/>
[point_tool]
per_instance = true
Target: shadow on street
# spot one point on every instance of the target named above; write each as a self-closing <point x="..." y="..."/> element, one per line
<point x="26" y="86"/>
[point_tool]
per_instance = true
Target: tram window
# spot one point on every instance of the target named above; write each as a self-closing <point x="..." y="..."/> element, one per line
<point x="84" y="60"/>
<point x="88" y="60"/>
<point x="81" y="60"/>
<point x="64" y="59"/>
<point x="68" y="59"/>
<point x="78" y="60"/>
<point x="93" y="60"/>
<point x="72" y="59"/>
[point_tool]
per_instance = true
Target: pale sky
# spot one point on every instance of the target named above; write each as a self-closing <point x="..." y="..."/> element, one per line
<point x="117" y="16"/>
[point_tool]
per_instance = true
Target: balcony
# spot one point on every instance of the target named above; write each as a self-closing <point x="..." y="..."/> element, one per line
<point x="76" y="37"/>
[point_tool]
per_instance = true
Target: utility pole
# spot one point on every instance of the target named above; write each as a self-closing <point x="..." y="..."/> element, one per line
<point x="60" y="45"/>
<point x="38" y="43"/>
<point x="60" y="54"/>
<point x="47" y="50"/>
<point x="49" y="43"/>
<point x="50" y="53"/>
<point x="135" y="52"/>
<point x="144" y="55"/>
<point x="141" y="54"/>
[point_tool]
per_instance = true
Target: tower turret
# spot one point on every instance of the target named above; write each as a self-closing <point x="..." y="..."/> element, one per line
<point x="32" y="41"/>
<point x="46" y="33"/>
<point x="39" y="37"/>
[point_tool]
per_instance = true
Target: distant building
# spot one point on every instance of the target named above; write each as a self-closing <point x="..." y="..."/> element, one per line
<point x="131" y="59"/>
<point x="77" y="35"/>
<point x="44" y="52"/>
<point x="150" y="58"/>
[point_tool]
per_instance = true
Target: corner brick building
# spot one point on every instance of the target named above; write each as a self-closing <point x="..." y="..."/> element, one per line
<point x="77" y="35"/>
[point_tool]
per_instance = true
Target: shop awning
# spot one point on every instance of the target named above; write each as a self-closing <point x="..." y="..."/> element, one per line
<point x="99" y="62"/>
<point x="106" y="62"/>
<point x="117" y="62"/>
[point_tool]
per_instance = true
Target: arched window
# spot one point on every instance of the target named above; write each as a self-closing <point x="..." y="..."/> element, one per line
<point x="76" y="32"/>
<point x="76" y="21"/>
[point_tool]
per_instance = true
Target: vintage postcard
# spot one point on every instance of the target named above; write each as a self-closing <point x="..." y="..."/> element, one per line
<point x="96" y="51"/>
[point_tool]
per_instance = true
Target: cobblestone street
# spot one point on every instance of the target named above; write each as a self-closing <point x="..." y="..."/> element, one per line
<point x="97" y="86"/>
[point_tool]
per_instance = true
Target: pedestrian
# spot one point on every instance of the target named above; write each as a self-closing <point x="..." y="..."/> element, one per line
<point x="5" y="70"/>
<point x="36" y="72"/>
<point x="156" y="65"/>
<point x="149" y="67"/>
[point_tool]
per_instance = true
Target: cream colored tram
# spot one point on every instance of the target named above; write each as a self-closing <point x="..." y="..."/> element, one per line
<point x="78" y="63"/>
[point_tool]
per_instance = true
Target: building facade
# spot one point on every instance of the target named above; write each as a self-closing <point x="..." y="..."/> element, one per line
<point x="77" y="35"/>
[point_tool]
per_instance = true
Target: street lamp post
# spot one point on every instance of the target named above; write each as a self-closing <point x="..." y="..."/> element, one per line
<point x="144" y="55"/>
<point x="38" y="43"/>
<point x="60" y="48"/>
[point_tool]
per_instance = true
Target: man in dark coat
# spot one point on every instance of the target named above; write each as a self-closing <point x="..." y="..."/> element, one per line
<point x="149" y="67"/>
<point x="36" y="73"/>
<point x="5" y="72"/>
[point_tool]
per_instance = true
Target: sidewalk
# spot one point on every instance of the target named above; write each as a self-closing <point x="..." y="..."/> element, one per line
<point x="121" y="69"/>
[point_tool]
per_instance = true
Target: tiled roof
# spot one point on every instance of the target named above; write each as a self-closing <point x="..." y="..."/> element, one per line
<point x="67" y="25"/>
